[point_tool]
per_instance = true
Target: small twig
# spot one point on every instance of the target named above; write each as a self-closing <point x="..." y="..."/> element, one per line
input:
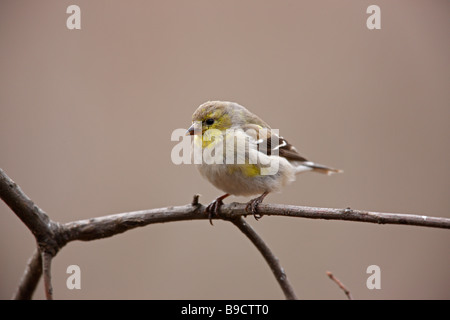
<point x="46" y="270"/>
<point x="270" y="258"/>
<point x="194" y="202"/>
<point x="340" y="284"/>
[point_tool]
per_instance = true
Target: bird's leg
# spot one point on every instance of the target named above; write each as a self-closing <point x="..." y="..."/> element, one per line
<point x="252" y="205"/>
<point x="213" y="208"/>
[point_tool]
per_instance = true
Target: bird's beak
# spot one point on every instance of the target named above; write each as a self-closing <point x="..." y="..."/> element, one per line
<point x="190" y="131"/>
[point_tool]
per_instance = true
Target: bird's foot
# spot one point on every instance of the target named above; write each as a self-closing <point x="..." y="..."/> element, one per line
<point x="213" y="209"/>
<point x="252" y="206"/>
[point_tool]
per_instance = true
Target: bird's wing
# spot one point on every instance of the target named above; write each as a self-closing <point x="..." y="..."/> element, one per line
<point x="264" y="138"/>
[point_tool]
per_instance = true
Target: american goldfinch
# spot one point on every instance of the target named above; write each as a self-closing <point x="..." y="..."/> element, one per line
<point x="216" y="127"/>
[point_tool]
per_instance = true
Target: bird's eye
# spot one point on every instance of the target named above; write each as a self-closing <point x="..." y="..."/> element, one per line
<point x="209" y="121"/>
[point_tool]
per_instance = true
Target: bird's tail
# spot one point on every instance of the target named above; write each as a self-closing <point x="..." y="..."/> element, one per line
<point x="308" y="166"/>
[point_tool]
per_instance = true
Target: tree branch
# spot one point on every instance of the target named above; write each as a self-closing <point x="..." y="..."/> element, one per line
<point x="51" y="236"/>
<point x="46" y="270"/>
<point x="31" y="215"/>
<point x="106" y="226"/>
<point x="270" y="258"/>
<point x="30" y="278"/>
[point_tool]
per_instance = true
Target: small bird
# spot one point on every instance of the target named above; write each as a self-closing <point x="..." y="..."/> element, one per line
<point x="216" y="127"/>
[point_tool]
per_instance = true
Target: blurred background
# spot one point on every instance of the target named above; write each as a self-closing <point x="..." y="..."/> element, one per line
<point x="86" y="118"/>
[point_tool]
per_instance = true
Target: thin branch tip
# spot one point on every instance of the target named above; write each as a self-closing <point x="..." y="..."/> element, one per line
<point x="340" y="285"/>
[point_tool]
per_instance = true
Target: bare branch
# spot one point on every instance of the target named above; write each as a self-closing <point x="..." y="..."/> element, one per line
<point x="270" y="258"/>
<point x="33" y="217"/>
<point x="340" y="284"/>
<point x="46" y="270"/>
<point x="51" y="236"/>
<point x="107" y="226"/>
<point x="354" y="215"/>
<point x="30" y="278"/>
<point x="44" y="230"/>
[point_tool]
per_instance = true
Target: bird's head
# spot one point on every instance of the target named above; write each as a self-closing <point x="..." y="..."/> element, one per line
<point x="221" y="115"/>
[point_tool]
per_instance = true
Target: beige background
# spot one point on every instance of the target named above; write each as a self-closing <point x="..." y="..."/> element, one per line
<point x="86" y="118"/>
